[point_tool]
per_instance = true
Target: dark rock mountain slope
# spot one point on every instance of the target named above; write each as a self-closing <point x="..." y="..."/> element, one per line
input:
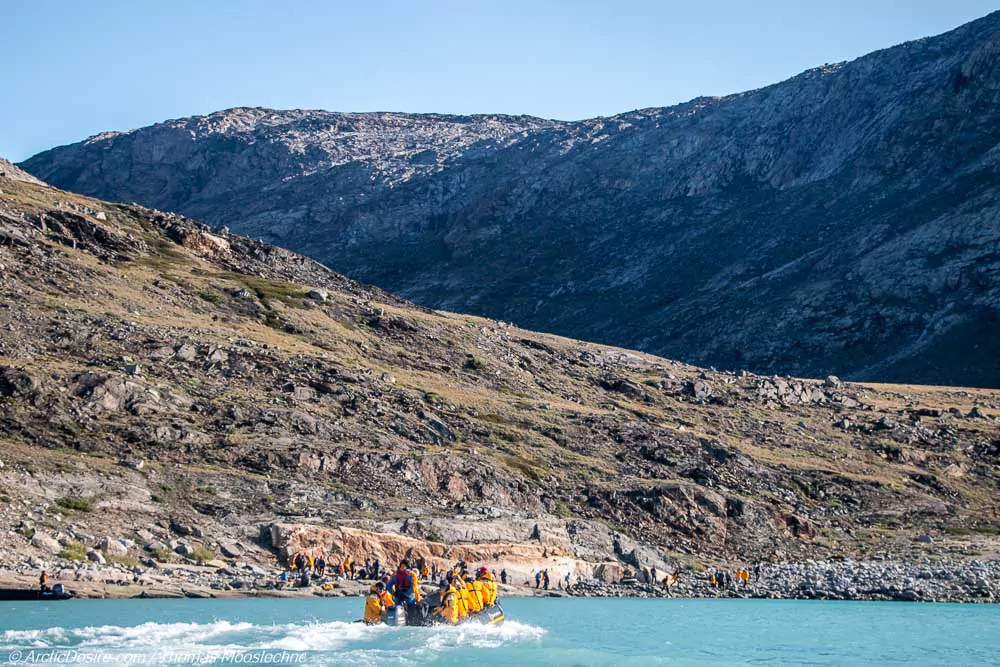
<point x="846" y="220"/>
<point x="155" y="374"/>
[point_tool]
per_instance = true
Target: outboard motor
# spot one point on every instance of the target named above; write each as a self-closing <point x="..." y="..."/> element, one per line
<point x="396" y="615"/>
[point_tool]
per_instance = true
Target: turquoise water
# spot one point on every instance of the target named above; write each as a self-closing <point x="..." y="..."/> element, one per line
<point x="540" y="632"/>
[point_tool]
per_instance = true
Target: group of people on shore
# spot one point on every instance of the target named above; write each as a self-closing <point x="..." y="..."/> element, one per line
<point x="729" y="580"/>
<point x="460" y="594"/>
<point x="543" y="580"/>
<point x="305" y="566"/>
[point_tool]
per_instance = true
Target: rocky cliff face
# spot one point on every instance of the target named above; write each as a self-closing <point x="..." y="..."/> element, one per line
<point x="842" y="221"/>
<point x="178" y="387"/>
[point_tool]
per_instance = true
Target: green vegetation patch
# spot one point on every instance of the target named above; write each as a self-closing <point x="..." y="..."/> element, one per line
<point x="473" y="364"/>
<point x="76" y="503"/>
<point x="74" y="551"/>
<point x="202" y="555"/>
<point x="212" y="296"/>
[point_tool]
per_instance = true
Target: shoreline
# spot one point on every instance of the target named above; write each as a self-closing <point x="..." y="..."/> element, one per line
<point x="970" y="582"/>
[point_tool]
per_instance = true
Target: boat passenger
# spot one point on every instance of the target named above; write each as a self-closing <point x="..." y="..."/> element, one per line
<point x="448" y="609"/>
<point x="405" y="584"/>
<point x="460" y="598"/>
<point x="375" y="605"/>
<point x="488" y="586"/>
<point x="474" y="592"/>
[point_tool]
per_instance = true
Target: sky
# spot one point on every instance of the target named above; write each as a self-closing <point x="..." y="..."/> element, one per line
<point x="74" y="68"/>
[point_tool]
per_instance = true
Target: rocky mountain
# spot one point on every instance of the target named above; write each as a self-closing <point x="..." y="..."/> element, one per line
<point x="166" y="391"/>
<point x="14" y="173"/>
<point x="843" y="221"/>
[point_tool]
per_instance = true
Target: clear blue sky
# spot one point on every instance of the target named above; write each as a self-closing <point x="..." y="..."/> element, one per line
<point x="74" y="68"/>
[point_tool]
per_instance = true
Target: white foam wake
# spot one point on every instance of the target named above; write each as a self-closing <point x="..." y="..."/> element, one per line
<point x="480" y="636"/>
<point x="334" y="638"/>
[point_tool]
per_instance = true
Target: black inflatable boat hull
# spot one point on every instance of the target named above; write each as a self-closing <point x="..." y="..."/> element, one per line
<point x="8" y="594"/>
<point x="419" y="616"/>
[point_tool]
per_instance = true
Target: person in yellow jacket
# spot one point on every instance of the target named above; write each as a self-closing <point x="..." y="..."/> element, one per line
<point x="448" y="609"/>
<point x="461" y="599"/>
<point x="488" y="587"/>
<point x="375" y="604"/>
<point x="475" y="588"/>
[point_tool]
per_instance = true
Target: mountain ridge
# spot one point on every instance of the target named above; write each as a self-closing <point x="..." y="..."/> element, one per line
<point x="836" y="222"/>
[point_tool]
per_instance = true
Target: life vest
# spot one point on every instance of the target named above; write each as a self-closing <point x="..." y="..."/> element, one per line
<point x="402" y="582"/>
<point x="387" y="600"/>
<point x="405" y="583"/>
<point x="489" y="589"/>
<point x="475" y="589"/>
<point x="449" y="606"/>
<point x="373" y="609"/>
<point x="461" y="601"/>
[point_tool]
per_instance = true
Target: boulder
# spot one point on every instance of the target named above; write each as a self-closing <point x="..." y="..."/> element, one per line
<point x="16" y="382"/>
<point x="317" y="295"/>
<point x="45" y="543"/>
<point x="96" y="557"/>
<point x="111" y="546"/>
<point x="181" y="529"/>
<point x="230" y="549"/>
<point x="700" y="389"/>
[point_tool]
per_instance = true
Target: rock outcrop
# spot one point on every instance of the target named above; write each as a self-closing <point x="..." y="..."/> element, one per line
<point x="843" y="221"/>
<point x="12" y="172"/>
<point x="167" y="389"/>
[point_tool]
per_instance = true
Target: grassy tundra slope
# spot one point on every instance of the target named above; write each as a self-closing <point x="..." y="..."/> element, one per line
<point x="155" y="374"/>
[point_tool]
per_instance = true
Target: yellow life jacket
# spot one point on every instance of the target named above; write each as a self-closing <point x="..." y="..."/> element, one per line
<point x="462" y="601"/>
<point x="374" y="609"/>
<point x="449" y="610"/>
<point x="489" y="589"/>
<point x="475" y="595"/>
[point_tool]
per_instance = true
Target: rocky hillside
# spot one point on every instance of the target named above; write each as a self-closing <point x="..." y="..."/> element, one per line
<point x="14" y="173"/>
<point x="168" y="391"/>
<point x="843" y="221"/>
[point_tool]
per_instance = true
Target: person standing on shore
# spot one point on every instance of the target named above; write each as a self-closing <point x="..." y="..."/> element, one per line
<point x="567" y="580"/>
<point x="503" y="576"/>
<point x="545" y="579"/>
<point x="538" y="579"/>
